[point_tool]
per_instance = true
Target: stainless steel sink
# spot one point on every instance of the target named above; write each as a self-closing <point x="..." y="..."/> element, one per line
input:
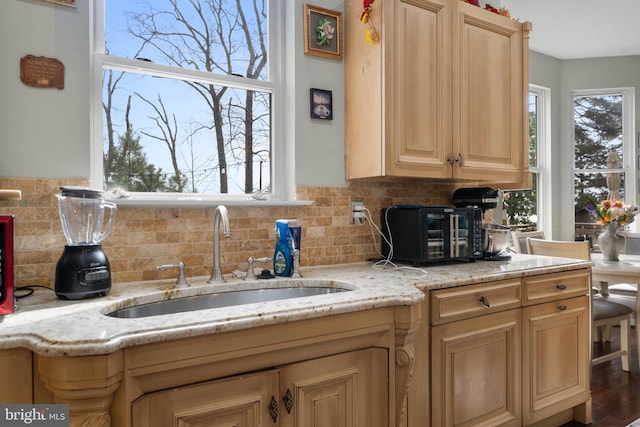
<point x="223" y="299"/>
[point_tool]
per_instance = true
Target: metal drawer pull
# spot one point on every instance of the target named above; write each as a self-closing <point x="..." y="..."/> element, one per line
<point x="485" y="301"/>
<point x="561" y="287"/>
<point x="562" y="307"/>
<point x="273" y="409"/>
<point x="288" y="401"/>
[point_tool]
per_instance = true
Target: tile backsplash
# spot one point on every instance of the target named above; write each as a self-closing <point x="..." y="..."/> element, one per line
<point x="146" y="237"/>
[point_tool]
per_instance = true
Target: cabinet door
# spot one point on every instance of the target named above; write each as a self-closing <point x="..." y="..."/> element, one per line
<point x="241" y="401"/>
<point x="16" y="366"/>
<point x="556" y="357"/>
<point x="490" y="93"/>
<point x="345" y="390"/>
<point x="418" y="90"/>
<point x="476" y="371"/>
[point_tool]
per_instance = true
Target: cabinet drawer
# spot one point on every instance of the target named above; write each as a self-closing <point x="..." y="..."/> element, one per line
<point x="551" y="287"/>
<point x="448" y="305"/>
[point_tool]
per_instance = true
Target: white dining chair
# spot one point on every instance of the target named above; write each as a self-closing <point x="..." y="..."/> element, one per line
<point x="519" y="240"/>
<point x="604" y="312"/>
<point x="627" y="293"/>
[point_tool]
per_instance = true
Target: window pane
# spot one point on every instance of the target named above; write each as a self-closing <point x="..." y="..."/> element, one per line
<point x="522" y="208"/>
<point x="166" y="135"/>
<point x="594" y="188"/>
<point x="599" y="152"/>
<point x="212" y="35"/>
<point x="598" y="130"/>
<point x="187" y="132"/>
<point x="522" y="205"/>
<point x="533" y="130"/>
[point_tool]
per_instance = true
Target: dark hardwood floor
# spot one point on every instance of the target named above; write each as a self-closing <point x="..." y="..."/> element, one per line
<point x="615" y="394"/>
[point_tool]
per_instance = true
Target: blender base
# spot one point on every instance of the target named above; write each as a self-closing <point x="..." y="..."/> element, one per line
<point x="82" y="272"/>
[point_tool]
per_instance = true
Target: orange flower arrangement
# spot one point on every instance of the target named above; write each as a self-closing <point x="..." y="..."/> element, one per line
<point x="613" y="210"/>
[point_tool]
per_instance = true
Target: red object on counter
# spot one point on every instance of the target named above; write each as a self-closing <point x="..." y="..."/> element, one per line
<point x="7" y="296"/>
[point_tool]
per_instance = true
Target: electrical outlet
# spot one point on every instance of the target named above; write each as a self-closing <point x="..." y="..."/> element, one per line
<point x="357" y="212"/>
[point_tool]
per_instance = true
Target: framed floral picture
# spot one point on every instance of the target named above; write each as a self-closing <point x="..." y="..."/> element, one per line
<point x="321" y="104"/>
<point x="322" y="32"/>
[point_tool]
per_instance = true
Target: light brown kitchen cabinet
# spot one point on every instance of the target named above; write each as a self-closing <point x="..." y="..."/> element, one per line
<point x="347" y="390"/>
<point x="343" y="390"/>
<point x="16" y="370"/>
<point x="513" y="352"/>
<point x="476" y="371"/>
<point x="490" y="93"/>
<point x="350" y="369"/>
<point x="441" y="95"/>
<point x="476" y="374"/>
<point x="237" y="401"/>
<point x="556" y="347"/>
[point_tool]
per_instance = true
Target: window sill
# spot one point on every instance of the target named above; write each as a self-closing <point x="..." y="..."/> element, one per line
<point x="202" y="202"/>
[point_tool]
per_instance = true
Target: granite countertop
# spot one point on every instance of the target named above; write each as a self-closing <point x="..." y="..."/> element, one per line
<point x="52" y="327"/>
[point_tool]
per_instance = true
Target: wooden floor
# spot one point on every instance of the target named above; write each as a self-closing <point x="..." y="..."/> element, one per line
<point x="615" y="394"/>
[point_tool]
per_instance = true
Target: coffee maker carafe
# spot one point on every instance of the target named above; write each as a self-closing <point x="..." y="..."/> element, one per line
<point x="83" y="269"/>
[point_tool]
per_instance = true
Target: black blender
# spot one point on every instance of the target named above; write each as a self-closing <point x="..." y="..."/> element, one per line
<point x="83" y="268"/>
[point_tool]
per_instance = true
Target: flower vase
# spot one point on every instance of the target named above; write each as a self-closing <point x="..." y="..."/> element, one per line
<point x="611" y="242"/>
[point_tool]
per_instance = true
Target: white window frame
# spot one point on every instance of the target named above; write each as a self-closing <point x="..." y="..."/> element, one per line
<point x="282" y="185"/>
<point x="628" y="142"/>
<point x="543" y="169"/>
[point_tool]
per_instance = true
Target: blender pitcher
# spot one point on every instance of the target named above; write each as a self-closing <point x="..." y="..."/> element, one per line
<point x="82" y="212"/>
<point x="83" y="270"/>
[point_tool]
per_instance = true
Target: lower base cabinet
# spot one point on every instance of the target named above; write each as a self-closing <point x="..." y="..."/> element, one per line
<point x="507" y="353"/>
<point x="347" y="370"/>
<point x="476" y="371"/>
<point x="346" y="390"/>
<point x="556" y="357"/>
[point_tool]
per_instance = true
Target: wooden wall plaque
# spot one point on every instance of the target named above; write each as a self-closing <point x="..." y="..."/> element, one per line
<point x="38" y="71"/>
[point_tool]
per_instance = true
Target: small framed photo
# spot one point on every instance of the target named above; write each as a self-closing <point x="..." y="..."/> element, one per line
<point x="321" y="104"/>
<point x="322" y="32"/>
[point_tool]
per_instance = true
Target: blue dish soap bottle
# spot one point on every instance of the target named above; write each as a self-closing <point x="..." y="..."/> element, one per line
<point x="283" y="254"/>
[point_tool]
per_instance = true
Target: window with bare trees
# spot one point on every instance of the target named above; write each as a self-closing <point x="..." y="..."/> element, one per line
<point x="187" y="90"/>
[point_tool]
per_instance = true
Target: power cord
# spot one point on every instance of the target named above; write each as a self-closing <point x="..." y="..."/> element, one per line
<point x="29" y="290"/>
<point x="386" y="263"/>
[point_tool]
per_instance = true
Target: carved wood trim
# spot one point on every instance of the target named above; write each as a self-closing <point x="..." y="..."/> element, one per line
<point x="407" y="321"/>
<point x="87" y="384"/>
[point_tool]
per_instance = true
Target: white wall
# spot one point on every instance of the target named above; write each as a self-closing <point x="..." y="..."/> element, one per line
<point x="45" y="132"/>
<point x="319" y="144"/>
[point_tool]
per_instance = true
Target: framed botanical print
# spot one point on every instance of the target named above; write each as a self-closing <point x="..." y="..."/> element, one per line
<point x="322" y="32"/>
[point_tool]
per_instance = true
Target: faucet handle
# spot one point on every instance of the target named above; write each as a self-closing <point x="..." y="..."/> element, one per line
<point x="251" y="275"/>
<point x="182" y="280"/>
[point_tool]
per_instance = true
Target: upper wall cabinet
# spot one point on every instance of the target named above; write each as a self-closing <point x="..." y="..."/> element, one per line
<point x="442" y="94"/>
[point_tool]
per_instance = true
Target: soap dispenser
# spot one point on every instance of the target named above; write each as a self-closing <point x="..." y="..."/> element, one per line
<point x="283" y="254"/>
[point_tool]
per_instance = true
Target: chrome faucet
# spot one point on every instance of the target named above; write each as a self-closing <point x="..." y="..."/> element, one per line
<point x="221" y="214"/>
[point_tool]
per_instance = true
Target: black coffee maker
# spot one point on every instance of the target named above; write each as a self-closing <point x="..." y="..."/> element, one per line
<point x="83" y="270"/>
<point x="484" y="198"/>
